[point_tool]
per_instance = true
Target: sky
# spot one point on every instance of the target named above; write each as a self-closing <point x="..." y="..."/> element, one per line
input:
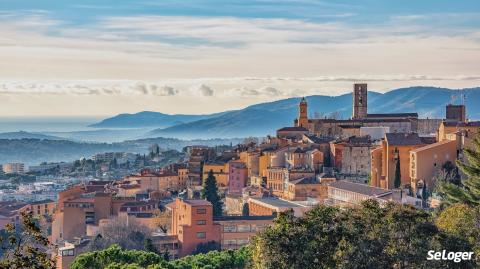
<point x="91" y="58"/>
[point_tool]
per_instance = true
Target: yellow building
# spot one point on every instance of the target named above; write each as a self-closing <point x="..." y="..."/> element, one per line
<point x="308" y="187"/>
<point x="220" y="171"/>
<point x="426" y="161"/>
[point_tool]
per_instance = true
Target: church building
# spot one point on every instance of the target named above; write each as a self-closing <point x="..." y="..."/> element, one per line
<point x="393" y="122"/>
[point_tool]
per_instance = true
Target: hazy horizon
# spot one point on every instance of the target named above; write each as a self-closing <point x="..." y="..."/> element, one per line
<point x="193" y="57"/>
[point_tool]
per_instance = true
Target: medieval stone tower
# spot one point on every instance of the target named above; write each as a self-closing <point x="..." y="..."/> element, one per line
<point x="303" y="114"/>
<point x="359" y="101"/>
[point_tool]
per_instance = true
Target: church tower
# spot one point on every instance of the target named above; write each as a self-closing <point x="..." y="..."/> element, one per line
<point x="359" y="101"/>
<point x="303" y="114"/>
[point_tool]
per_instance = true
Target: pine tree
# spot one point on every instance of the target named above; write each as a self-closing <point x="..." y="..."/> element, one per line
<point x="398" y="177"/>
<point x="469" y="190"/>
<point x="25" y="245"/>
<point x="210" y="193"/>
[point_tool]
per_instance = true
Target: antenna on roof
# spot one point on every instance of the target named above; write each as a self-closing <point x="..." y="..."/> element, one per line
<point x="452" y="99"/>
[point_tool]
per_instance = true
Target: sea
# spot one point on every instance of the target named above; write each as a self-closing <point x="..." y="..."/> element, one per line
<point x="47" y="124"/>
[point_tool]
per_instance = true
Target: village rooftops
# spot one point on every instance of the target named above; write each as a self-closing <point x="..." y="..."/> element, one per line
<point x="240" y="218"/>
<point x="318" y="140"/>
<point x="46" y="201"/>
<point x="405" y="139"/>
<point x="393" y="115"/>
<point x="434" y="145"/>
<point x="98" y="182"/>
<point x="356" y="141"/>
<point x="293" y="129"/>
<point x="81" y="200"/>
<point x="305" y="180"/>
<point x="360" y="188"/>
<point x="276" y="202"/>
<point x="197" y="202"/>
<point x="462" y="124"/>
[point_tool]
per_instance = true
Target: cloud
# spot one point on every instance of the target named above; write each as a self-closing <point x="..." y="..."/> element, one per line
<point x="163" y="90"/>
<point x="202" y="90"/>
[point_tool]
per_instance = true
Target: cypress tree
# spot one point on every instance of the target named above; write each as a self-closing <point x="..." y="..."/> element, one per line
<point x="469" y="190"/>
<point x="245" y="210"/>
<point x="424" y="191"/>
<point x="210" y="193"/>
<point x="398" y="177"/>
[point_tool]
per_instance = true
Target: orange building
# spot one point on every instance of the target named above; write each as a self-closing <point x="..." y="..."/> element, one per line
<point x="395" y="147"/>
<point x="426" y="161"/>
<point x="40" y="208"/>
<point x="192" y="223"/>
<point x="82" y="212"/>
<point x="148" y="181"/>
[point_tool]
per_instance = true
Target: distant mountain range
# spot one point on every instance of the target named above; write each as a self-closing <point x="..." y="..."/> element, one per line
<point x="265" y="118"/>
<point x="24" y="135"/>
<point x="149" y="119"/>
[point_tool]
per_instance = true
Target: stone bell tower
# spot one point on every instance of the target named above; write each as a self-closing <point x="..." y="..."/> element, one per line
<point x="359" y="101"/>
<point x="302" y="114"/>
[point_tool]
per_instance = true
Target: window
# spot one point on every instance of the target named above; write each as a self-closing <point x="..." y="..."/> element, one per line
<point x="230" y="242"/>
<point x="242" y="241"/>
<point x="201" y="235"/>
<point x="201" y="222"/>
<point x="243" y="228"/>
<point x="201" y="211"/>
<point x="230" y="228"/>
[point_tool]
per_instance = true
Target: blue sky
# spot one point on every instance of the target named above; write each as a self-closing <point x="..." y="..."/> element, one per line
<point x="168" y="51"/>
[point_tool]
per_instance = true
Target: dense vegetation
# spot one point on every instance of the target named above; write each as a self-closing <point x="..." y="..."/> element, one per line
<point x="370" y="236"/>
<point x="115" y="257"/>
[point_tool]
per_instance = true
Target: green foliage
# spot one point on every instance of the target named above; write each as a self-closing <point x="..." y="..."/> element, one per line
<point x="210" y="193"/>
<point x="370" y="236"/>
<point x="25" y="246"/>
<point x="115" y="257"/>
<point x="469" y="190"/>
<point x="207" y="247"/>
<point x="463" y="221"/>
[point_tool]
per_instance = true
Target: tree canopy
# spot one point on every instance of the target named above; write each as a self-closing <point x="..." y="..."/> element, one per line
<point x="115" y="257"/>
<point x="370" y="236"/>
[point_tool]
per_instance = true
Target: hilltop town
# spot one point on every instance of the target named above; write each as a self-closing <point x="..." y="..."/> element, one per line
<point x="389" y="158"/>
